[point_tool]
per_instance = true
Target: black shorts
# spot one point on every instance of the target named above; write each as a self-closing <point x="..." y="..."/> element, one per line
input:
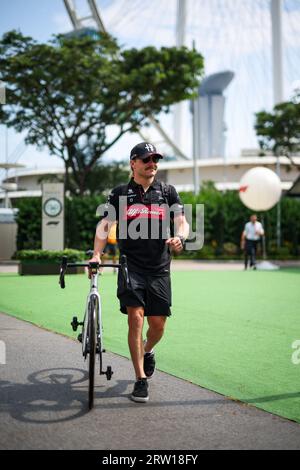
<point x="153" y="293"/>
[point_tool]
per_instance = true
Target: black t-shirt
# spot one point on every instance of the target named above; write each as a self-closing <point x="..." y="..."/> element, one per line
<point x="144" y="220"/>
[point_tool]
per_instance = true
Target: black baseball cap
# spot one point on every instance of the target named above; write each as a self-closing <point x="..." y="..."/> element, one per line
<point x="144" y="150"/>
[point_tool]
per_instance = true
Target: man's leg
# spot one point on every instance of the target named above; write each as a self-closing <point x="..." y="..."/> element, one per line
<point x="135" y="340"/>
<point x="246" y="253"/>
<point x="154" y="335"/>
<point x="254" y="254"/>
<point x="155" y="331"/>
<point x="246" y="259"/>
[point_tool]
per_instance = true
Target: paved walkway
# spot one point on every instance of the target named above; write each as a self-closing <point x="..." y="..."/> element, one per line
<point x="43" y="404"/>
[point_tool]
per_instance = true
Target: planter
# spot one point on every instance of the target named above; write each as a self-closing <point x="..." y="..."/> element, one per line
<point x="35" y="267"/>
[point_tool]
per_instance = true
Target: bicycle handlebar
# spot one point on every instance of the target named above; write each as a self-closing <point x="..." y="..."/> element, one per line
<point x="94" y="265"/>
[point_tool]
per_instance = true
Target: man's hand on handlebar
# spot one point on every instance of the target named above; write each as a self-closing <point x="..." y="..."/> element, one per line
<point x="98" y="264"/>
<point x="94" y="259"/>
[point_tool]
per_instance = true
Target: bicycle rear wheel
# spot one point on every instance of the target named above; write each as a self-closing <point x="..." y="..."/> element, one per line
<point x="92" y="345"/>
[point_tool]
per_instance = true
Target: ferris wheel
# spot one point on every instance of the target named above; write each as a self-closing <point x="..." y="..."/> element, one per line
<point x="256" y="39"/>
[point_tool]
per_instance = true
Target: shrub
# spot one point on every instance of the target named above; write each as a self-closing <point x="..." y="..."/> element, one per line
<point x="50" y="256"/>
<point x="225" y="218"/>
<point x="230" y="248"/>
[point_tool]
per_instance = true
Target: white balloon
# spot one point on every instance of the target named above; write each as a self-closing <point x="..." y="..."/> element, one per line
<point x="260" y="189"/>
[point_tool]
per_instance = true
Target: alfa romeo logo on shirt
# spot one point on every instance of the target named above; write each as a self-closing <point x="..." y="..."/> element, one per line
<point x="144" y="212"/>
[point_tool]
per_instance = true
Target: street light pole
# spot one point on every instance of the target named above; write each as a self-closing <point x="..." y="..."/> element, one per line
<point x="276" y="17"/>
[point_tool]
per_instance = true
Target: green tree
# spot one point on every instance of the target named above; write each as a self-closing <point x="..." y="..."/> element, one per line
<point x="78" y="96"/>
<point x="29" y="221"/>
<point x="279" y="130"/>
<point x="107" y="176"/>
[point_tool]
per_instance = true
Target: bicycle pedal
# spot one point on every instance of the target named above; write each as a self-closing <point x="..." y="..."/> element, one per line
<point x="74" y="323"/>
<point x="109" y="373"/>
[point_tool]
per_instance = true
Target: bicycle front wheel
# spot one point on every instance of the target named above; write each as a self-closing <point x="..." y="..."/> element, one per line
<point x="92" y="345"/>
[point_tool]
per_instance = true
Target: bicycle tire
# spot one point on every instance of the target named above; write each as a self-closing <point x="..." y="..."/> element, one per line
<point x="99" y="341"/>
<point x="100" y="356"/>
<point x="92" y="344"/>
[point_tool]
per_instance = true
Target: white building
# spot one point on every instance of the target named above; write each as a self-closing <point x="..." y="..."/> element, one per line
<point x="225" y="174"/>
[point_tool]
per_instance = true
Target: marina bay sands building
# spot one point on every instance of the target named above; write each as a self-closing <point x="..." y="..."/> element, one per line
<point x="208" y="116"/>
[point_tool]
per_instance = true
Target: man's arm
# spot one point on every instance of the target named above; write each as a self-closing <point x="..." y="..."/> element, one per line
<point x="101" y="236"/>
<point x="100" y="241"/>
<point x="181" y="227"/>
<point x="182" y="230"/>
<point x="260" y="230"/>
<point x="104" y="225"/>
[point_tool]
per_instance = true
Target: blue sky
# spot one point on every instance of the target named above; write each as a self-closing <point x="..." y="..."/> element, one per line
<point x="232" y="35"/>
<point x="37" y="18"/>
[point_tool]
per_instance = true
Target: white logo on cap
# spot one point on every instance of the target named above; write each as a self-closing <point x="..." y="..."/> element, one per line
<point x="149" y="147"/>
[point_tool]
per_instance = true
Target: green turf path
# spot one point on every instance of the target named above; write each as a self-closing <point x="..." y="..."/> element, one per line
<point x="231" y="332"/>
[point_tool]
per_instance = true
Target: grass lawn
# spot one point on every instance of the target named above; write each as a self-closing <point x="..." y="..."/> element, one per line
<point x="231" y="332"/>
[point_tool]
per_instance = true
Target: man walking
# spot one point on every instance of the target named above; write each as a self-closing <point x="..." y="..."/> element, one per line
<point x="252" y="233"/>
<point x="143" y="221"/>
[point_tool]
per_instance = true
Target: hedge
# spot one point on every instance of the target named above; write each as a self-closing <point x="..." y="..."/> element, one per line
<point x="225" y="218"/>
<point x="50" y="256"/>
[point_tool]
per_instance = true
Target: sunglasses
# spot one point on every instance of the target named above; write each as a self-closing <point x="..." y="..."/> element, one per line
<point x="154" y="159"/>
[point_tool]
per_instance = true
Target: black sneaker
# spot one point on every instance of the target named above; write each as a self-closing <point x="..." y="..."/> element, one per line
<point x="140" y="391"/>
<point x="149" y="364"/>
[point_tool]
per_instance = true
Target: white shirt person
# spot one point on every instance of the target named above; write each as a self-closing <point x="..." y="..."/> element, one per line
<point x="252" y="233"/>
<point x="253" y="230"/>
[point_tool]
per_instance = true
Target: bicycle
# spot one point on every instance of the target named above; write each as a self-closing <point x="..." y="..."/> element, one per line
<point x="92" y="330"/>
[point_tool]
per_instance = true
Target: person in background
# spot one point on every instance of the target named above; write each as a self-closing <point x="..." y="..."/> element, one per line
<point x="251" y="235"/>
